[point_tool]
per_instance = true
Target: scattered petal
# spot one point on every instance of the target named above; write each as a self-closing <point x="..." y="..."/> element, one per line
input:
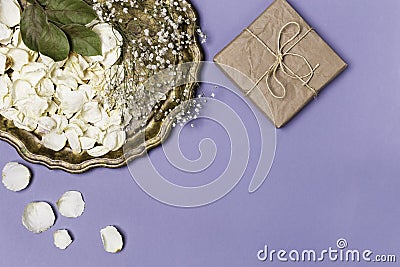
<point x="16" y="176"/>
<point x="71" y="204"/>
<point x="38" y="217"/>
<point x="112" y="239"/>
<point x="62" y="239"/>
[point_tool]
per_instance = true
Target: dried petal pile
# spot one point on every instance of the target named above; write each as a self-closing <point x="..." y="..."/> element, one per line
<point x="60" y="101"/>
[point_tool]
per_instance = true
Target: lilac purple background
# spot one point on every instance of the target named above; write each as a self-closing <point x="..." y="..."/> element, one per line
<point x="336" y="171"/>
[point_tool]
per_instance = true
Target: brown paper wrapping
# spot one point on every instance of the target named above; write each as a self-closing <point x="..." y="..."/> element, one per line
<point x="248" y="56"/>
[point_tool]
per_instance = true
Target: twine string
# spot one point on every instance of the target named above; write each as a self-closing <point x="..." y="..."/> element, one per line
<point x="279" y="63"/>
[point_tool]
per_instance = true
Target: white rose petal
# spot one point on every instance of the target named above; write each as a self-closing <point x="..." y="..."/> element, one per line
<point x="112" y="239"/>
<point x="52" y="109"/>
<point x="61" y="121"/>
<point x="15" y="176"/>
<point x="3" y="62"/>
<point x="91" y="112"/>
<point x="5" y="34"/>
<point x="5" y="98"/>
<point x="71" y="204"/>
<point x="45" y="125"/>
<point x="19" y="58"/>
<point x="94" y="133"/>
<point x="5" y="85"/>
<point x="98" y="151"/>
<point x="110" y="38"/>
<point x="33" y="72"/>
<point x="38" y="217"/>
<point x="27" y="123"/>
<point x="114" y="140"/>
<point x="88" y="91"/>
<point x="87" y="142"/>
<point x="104" y="122"/>
<point x="45" y="88"/>
<point x="33" y="106"/>
<point x="54" y="141"/>
<point x="10" y="12"/>
<point x="61" y="77"/>
<point x="111" y="57"/>
<point x="80" y="124"/>
<point x="22" y="89"/>
<point x="50" y="63"/>
<point x="76" y="64"/>
<point x="62" y="239"/>
<point x="73" y="141"/>
<point x="96" y="75"/>
<point x="72" y="102"/>
<point x="11" y="114"/>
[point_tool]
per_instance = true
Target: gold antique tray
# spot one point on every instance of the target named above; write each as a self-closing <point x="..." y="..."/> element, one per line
<point x="157" y="128"/>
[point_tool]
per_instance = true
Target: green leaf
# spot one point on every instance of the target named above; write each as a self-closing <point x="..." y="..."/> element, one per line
<point x="70" y="12"/>
<point x="41" y="2"/>
<point x="54" y="43"/>
<point x="83" y="41"/>
<point x="33" y="20"/>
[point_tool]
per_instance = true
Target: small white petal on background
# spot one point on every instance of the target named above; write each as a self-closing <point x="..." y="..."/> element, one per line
<point x="62" y="239"/>
<point x="15" y="176"/>
<point x="38" y="217"/>
<point x="112" y="239"/>
<point x="71" y="204"/>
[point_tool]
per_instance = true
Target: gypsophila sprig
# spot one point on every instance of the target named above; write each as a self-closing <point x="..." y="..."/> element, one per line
<point x="156" y="37"/>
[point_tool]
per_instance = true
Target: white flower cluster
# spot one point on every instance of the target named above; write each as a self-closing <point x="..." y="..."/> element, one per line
<point x="59" y="101"/>
<point x="157" y="38"/>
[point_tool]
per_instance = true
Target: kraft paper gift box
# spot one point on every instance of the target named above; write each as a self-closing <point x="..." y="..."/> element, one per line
<point x="280" y="62"/>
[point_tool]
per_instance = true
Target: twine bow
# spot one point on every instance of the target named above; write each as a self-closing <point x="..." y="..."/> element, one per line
<point x="279" y="63"/>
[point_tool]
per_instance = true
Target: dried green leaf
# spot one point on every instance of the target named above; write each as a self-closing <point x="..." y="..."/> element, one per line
<point x="33" y="20"/>
<point x="70" y="12"/>
<point x="54" y="43"/>
<point x="83" y="41"/>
